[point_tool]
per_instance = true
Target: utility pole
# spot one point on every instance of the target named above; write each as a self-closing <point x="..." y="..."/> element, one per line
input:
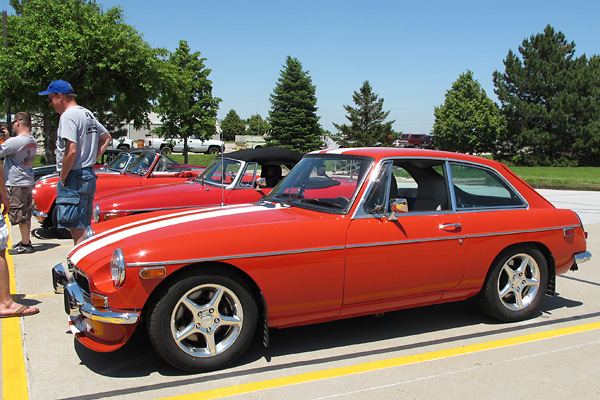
<point x="5" y="33"/>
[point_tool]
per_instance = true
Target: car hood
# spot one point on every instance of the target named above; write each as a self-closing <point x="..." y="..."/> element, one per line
<point x="168" y="195"/>
<point x="211" y="234"/>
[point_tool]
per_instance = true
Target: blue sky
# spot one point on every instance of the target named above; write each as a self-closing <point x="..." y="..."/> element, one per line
<point x="410" y="51"/>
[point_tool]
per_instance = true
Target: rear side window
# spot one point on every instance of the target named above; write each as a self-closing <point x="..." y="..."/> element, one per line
<point x="481" y="188"/>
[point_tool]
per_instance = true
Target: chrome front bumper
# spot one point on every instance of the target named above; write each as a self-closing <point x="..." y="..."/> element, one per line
<point x="40" y="216"/>
<point x="76" y="304"/>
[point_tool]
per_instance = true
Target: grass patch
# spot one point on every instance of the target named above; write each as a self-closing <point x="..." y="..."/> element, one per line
<point x="202" y="160"/>
<point x="575" y="178"/>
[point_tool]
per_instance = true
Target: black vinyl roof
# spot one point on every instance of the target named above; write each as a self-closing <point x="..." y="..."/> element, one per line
<point x="266" y="154"/>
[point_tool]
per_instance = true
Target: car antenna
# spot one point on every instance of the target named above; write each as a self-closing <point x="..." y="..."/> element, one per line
<point x="222" y="137"/>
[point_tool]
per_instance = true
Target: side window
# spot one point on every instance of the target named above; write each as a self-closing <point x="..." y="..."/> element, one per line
<point x="422" y="183"/>
<point x="249" y="176"/>
<point x="481" y="188"/>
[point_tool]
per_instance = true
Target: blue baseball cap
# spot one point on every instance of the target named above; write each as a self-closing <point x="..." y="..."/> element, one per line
<point x="58" y="86"/>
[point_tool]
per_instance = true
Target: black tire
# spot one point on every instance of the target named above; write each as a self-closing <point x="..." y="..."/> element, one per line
<point x="516" y="284"/>
<point x="217" y="333"/>
<point x="123" y="147"/>
<point x="166" y="150"/>
<point x="213" y="150"/>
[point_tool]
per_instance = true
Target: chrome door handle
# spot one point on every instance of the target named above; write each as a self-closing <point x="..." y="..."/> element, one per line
<point x="450" y="227"/>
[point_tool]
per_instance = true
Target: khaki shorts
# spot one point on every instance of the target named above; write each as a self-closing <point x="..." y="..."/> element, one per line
<point x="21" y="204"/>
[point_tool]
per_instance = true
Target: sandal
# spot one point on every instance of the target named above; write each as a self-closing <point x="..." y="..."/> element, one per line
<point x="21" y="312"/>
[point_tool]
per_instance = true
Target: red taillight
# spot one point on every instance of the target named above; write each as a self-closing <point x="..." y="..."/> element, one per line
<point x="569" y="232"/>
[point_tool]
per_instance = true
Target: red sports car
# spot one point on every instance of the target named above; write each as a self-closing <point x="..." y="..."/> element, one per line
<point x="133" y="168"/>
<point x="348" y="232"/>
<point x="248" y="175"/>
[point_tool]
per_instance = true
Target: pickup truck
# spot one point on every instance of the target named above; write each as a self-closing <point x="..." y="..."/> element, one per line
<point x="195" y="145"/>
<point x="415" y="140"/>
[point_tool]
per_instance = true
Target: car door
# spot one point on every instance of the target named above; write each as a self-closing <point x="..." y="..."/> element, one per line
<point x="415" y="257"/>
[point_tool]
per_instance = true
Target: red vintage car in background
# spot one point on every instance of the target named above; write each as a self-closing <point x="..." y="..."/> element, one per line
<point x="348" y="232"/>
<point x="248" y="175"/>
<point x="140" y="167"/>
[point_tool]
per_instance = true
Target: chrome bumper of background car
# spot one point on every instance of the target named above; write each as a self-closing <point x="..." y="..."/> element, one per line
<point x="76" y="304"/>
<point x="40" y="216"/>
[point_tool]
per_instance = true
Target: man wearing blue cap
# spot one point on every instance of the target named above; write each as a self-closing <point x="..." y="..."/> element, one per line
<point x="81" y="140"/>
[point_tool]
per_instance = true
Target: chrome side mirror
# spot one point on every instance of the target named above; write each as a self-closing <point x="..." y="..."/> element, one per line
<point x="399" y="206"/>
<point x="261" y="183"/>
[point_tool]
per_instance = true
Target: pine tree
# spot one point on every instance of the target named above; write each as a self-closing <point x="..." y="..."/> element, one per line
<point x="468" y="121"/>
<point x="367" y="121"/>
<point x="232" y="125"/>
<point x="551" y="101"/>
<point x="293" y="115"/>
<point x="257" y="126"/>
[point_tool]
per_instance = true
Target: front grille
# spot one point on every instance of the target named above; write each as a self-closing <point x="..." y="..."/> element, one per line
<point x="82" y="281"/>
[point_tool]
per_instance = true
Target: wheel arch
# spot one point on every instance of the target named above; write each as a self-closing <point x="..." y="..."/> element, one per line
<point x="217" y="268"/>
<point x="551" y="289"/>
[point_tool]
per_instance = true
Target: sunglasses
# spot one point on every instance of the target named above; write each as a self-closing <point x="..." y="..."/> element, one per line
<point x="51" y="97"/>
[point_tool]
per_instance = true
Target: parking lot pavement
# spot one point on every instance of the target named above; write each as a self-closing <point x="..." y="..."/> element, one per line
<point x="448" y="351"/>
<point x="585" y="203"/>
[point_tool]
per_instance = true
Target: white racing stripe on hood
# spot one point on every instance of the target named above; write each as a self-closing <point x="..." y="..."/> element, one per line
<point x="176" y="219"/>
<point x="147" y="220"/>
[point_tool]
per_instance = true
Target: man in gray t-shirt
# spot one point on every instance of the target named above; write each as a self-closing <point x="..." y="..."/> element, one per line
<point x="19" y="154"/>
<point x="81" y="141"/>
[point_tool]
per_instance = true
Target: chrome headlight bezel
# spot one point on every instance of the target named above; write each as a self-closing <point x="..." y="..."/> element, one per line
<point x="96" y="213"/>
<point x="117" y="268"/>
<point x="88" y="233"/>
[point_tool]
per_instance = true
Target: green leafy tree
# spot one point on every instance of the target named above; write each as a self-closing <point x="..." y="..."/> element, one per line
<point x="468" y="121"/>
<point x="293" y="115"/>
<point x="232" y="125"/>
<point x="551" y="102"/>
<point x="367" y="121"/>
<point x="187" y="106"/>
<point x="115" y="73"/>
<point x="257" y="126"/>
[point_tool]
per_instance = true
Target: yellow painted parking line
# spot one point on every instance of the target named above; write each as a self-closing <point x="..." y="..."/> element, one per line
<point x="377" y="365"/>
<point x="37" y="295"/>
<point x="14" y="377"/>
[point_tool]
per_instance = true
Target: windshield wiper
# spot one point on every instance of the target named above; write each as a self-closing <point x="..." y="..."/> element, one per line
<point x="320" y="202"/>
<point x="289" y="195"/>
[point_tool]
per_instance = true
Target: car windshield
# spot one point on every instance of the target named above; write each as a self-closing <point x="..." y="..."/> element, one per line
<point x="119" y="162"/>
<point x="324" y="182"/>
<point x="222" y="171"/>
<point x="141" y="165"/>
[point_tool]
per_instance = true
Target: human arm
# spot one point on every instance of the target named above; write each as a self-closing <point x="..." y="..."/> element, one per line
<point x="103" y="143"/>
<point x="68" y="160"/>
<point x="3" y="192"/>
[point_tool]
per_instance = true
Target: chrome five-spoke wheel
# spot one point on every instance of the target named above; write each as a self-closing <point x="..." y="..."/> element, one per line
<point x="207" y="320"/>
<point x="519" y="282"/>
<point x="203" y="321"/>
<point x="515" y="285"/>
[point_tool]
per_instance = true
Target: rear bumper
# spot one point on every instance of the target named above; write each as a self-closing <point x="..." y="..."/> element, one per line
<point x="582" y="257"/>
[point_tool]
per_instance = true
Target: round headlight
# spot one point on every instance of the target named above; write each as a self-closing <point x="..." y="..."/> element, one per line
<point x="96" y="213"/>
<point x="117" y="268"/>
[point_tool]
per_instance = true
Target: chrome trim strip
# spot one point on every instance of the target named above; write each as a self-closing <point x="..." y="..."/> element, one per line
<point x="281" y="253"/>
<point x="559" y="228"/>
<point x="234" y="257"/>
<point x="354" y="246"/>
<point x="144" y="210"/>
